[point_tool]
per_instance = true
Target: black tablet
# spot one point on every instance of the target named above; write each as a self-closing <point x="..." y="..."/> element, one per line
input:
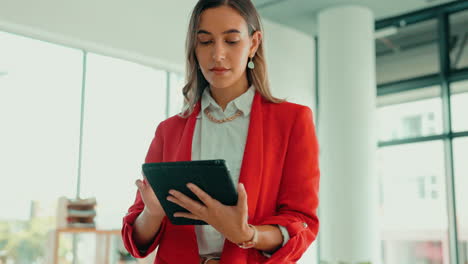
<point x="212" y="176"/>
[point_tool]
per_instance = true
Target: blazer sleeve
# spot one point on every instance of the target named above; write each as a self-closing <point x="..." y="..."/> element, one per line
<point x="154" y="154"/>
<point x="297" y="199"/>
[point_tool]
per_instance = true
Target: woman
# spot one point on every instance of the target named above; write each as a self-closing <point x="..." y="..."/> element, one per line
<point x="269" y="145"/>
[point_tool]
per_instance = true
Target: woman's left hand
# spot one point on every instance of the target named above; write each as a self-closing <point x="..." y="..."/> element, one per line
<point x="231" y="221"/>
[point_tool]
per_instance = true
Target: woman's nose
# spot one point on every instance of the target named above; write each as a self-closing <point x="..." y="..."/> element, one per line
<point x="218" y="52"/>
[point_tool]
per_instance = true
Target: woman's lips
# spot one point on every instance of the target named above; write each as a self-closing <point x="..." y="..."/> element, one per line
<point x="219" y="71"/>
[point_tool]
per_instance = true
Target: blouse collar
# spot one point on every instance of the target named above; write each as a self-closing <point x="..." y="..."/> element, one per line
<point x="242" y="102"/>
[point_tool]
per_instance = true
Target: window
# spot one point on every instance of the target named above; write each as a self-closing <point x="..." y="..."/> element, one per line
<point x="459" y="106"/>
<point x="460" y="149"/>
<point x="414" y="252"/>
<point x="411" y="114"/>
<point x="124" y="104"/>
<point x="40" y="89"/>
<point x="459" y="40"/>
<point x="407" y="52"/>
<point x="413" y="175"/>
<point x="176" y="98"/>
<point x="414" y="216"/>
<point x="412" y="126"/>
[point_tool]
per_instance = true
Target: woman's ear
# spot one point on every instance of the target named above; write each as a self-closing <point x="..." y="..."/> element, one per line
<point x="256" y="40"/>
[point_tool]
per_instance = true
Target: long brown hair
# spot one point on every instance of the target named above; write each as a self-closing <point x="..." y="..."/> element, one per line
<point x="195" y="81"/>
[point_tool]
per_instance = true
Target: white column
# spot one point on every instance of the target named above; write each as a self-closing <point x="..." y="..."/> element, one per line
<point x="347" y="96"/>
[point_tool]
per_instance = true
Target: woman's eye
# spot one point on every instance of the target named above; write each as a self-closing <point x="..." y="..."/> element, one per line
<point x="210" y="41"/>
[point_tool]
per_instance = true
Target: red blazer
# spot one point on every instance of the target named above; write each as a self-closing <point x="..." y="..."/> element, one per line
<point x="280" y="173"/>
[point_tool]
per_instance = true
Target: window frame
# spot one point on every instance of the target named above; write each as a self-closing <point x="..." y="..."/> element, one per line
<point x="444" y="78"/>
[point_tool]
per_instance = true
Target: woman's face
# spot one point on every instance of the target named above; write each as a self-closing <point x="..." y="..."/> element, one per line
<point x="223" y="46"/>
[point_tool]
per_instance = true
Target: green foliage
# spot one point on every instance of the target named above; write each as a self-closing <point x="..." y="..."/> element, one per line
<point x="24" y="241"/>
<point x="125" y="255"/>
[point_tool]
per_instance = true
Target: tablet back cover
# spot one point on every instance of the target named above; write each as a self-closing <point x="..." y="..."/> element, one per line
<point x="212" y="176"/>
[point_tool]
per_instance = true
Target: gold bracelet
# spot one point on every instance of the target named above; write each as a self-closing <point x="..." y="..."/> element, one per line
<point x="252" y="242"/>
<point x="210" y="258"/>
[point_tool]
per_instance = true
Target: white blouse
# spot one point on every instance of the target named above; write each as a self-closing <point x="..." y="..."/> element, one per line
<point x="222" y="141"/>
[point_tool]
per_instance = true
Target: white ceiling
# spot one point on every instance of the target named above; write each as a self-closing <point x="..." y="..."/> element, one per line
<point x="301" y="14"/>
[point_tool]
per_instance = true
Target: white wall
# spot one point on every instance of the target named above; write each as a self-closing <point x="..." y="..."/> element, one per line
<point x="153" y="33"/>
<point x="291" y="58"/>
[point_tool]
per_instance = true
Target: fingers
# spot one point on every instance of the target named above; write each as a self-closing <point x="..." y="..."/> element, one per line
<point x="203" y="196"/>
<point x="185" y="202"/>
<point x="139" y="183"/>
<point x="187" y="215"/>
<point x="145" y="180"/>
<point x="242" y="198"/>
<point x="143" y="189"/>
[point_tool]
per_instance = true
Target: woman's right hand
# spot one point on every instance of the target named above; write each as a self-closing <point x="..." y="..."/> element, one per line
<point x="149" y="221"/>
<point x="152" y="205"/>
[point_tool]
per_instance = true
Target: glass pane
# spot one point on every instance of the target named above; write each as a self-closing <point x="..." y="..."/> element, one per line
<point x="176" y="100"/>
<point x="310" y="256"/>
<point x="125" y="102"/>
<point x="410" y="118"/>
<point x="460" y="151"/>
<point x="413" y="205"/>
<point x="459" y="106"/>
<point x="407" y="52"/>
<point x="459" y="40"/>
<point x="40" y="87"/>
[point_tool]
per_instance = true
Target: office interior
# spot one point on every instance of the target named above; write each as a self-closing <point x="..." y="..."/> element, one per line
<point x="84" y="84"/>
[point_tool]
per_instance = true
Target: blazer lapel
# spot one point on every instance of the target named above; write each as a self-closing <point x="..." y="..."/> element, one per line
<point x="250" y="175"/>
<point x="252" y="161"/>
<point x="184" y="151"/>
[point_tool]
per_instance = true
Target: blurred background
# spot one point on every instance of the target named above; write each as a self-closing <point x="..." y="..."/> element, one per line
<point x="83" y="85"/>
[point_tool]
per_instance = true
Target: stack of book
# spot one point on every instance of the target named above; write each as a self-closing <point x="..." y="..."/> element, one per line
<point x="76" y="213"/>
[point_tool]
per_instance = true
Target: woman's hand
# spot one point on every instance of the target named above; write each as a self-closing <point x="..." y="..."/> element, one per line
<point x="231" y="221"/>
<point x="152" y="205"/>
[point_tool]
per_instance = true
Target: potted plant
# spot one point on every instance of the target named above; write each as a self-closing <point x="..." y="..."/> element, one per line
<point x="126" y="258"/>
